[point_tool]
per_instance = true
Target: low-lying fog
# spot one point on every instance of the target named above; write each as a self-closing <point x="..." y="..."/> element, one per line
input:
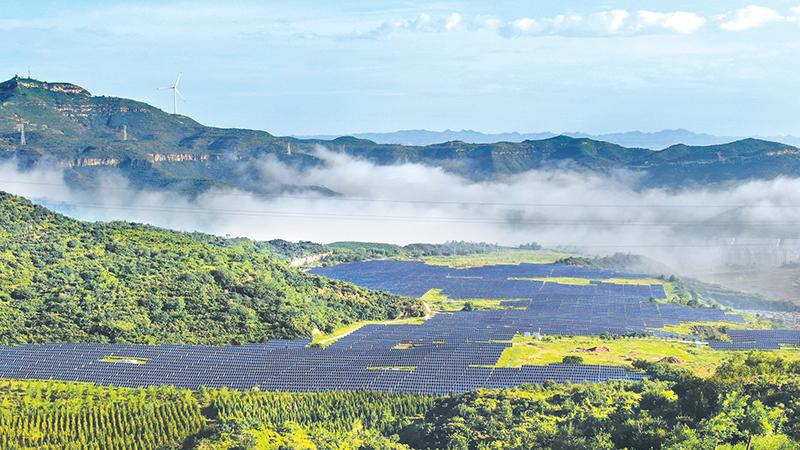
<point x="692" y="230"/>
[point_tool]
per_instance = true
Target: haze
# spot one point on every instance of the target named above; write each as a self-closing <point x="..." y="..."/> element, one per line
<point x="721" y="67"/>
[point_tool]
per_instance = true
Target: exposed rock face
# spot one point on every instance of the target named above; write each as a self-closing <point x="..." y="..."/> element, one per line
<point x="182" y="157"/>
<point x="670" y="360"/>
<point x="153" y="158"/>
<point x="89" y="162"/>
<point x="75" y="111"/>
<point x="308" y="260"/>
<point x="66" y="88"/>
<point x="788" y="151"/>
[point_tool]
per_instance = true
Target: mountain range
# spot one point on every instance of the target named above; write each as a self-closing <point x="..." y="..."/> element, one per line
<point x="657" y="140"/>
<point x="65" y="126"/>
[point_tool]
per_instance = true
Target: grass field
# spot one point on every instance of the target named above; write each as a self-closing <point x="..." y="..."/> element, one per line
<point x="623" y="351"/>
<point x="326" y="339"/>
<point x="587" y="281"/>
<point x="753" y="323"/>
<point x="439" y="302"/>
<point x="503" y="257"/>
<point x="124" y="359"/>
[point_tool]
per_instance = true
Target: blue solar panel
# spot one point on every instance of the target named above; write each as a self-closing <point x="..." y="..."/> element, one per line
<point x="451" y="352"/>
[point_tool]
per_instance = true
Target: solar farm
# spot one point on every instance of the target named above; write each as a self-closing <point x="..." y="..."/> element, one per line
<point x="448" y="353"/>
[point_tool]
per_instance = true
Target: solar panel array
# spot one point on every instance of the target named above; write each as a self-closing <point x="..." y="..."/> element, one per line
<point x="415" y="278"/>
<point x="452" y="352"/>
<point x="552" y="308"/>
<point x="758" y="340"/>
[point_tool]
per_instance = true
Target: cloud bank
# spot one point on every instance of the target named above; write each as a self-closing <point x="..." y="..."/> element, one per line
<point x="608" y="23"/>
<point x="690" y="230"/>
<point x="753" y="16"/>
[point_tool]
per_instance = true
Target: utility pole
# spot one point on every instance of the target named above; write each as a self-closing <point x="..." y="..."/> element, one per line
<point x="21" y="128"/>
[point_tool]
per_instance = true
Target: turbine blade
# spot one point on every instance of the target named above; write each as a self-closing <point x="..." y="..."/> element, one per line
<point x="179" y="94"/>
<point x="178" y="80"/>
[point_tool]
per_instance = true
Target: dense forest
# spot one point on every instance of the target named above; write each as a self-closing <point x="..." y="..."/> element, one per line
<point x="753" y="401"/>
<point x="67" y="280"/>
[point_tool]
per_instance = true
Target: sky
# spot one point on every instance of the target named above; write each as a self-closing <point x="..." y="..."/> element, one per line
<point x="321" y="67"/>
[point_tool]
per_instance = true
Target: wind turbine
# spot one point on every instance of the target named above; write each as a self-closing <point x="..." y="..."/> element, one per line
<point x="175" y="94"/>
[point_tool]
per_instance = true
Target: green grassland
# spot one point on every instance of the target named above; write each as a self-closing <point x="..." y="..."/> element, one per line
<point x="702" y="360"/>
<point x="325" y="339"/>
<point x="587" y="281"/>
<point x="752" y="323"/>
<point x="439" y="302"/>
<point x="124" y="359"/>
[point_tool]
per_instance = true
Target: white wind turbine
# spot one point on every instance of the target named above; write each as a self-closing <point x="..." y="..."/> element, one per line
<point x="175" y="94"/>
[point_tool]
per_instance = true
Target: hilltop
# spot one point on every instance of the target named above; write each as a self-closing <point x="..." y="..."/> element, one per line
<point x="69" y="128"/>
<point x="67" y="280"/>
<point x="656" y="140"/>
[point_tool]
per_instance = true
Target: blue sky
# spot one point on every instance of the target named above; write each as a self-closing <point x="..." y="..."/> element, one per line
<point x="312" y="67"/>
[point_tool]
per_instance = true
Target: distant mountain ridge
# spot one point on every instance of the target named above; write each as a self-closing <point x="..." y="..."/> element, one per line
<point x="657" y="140"/>
<point x="88" y="136"/>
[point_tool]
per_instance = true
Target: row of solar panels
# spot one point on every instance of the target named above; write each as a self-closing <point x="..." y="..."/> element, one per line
<point x="758" y="340"/>
<point x="426" y="380"/>
<point x="442" y="355"/>
<point x="415" y="278"/>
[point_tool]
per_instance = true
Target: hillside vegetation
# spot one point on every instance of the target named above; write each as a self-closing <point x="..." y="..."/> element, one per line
<point x="67" y="280"/>
<point x="751" y="402"/>
<point x="84" y="133"/>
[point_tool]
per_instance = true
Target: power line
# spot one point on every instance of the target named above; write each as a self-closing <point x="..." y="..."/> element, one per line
<point x="328" y="216"/>
<point x="428" y="202"/>
<point x="440" y="219"/>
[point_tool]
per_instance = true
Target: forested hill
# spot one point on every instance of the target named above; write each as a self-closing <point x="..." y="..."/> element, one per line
<point x="66" y="280"/>
<point x="89" y="135"/>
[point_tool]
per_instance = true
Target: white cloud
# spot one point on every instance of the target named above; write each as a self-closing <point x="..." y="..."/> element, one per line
<point x="524" y="26"/>
<point x="610" y="21"/>
<point x="678" y="21"/>
<point x="490" y="23"/>
<point x="616" y="22"/>
<point x="453" y="21"/>
<point x="423" y="23"/>
<point x="749" y="17"/>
